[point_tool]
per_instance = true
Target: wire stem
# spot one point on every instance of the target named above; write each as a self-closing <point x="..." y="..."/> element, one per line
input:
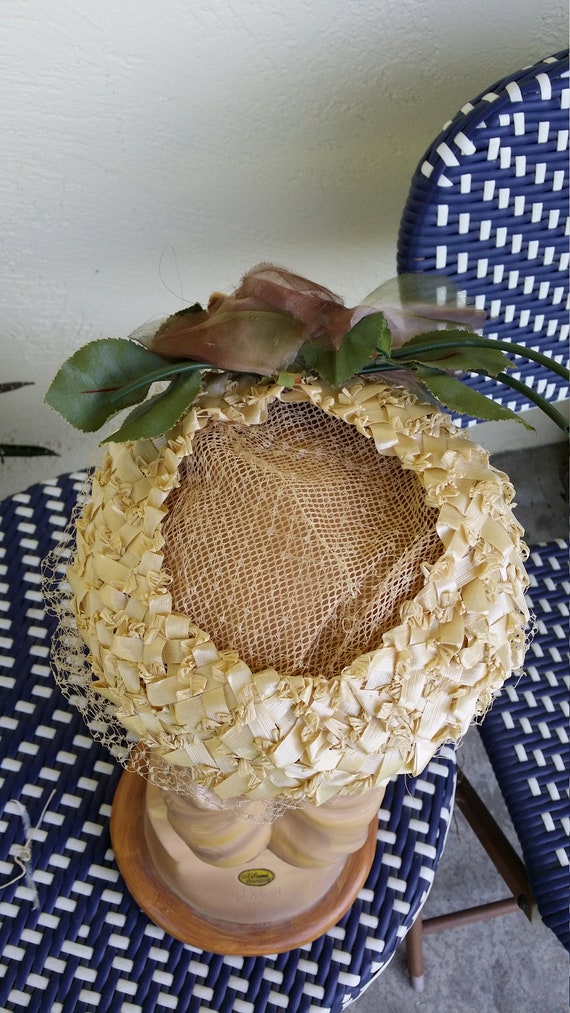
<point x="414" y="351"/>
<point x="537" y="399"/>
<point x="165" y="373"/>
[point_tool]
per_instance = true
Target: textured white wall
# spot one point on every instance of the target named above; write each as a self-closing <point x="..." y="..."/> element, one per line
<point x="152" y="152"/>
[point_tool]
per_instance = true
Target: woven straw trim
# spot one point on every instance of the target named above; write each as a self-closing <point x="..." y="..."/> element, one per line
<point x="260" y="735"/>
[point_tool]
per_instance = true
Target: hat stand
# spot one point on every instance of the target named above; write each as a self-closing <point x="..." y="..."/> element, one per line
<point x="267" y="903"/>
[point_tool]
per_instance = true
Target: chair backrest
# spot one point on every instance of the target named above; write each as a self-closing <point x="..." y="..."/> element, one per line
<point x="488" y="208"/>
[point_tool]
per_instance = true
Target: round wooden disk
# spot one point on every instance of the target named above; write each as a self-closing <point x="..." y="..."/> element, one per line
<point x="166" y="909"/>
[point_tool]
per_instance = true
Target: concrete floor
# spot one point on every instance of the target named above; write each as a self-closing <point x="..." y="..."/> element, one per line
<point x="505" y="964"/>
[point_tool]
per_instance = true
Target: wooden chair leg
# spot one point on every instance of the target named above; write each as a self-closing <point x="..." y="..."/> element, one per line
<point x="505" y="859"/>
<point x="499" y="849"/>
<point x="414" y="952"/>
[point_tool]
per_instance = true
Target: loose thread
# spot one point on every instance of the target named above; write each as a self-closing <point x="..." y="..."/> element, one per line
<point x="23" y="855"/>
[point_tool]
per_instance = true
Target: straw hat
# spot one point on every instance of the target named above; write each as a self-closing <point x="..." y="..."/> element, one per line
<point x="316" y="646"/>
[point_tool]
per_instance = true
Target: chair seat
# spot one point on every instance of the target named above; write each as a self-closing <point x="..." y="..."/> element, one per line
<point x="87" y="944"/>
<point x="526" y="736"/>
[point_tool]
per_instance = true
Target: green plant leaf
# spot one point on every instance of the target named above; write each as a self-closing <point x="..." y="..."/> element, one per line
<point x="453" y="353"/>
<point x="375" y="325"/>
<point x="15" y="385"/>
<point x="456" y="396"/>
<point x="25" y="450"/>
<point x="85" y="388"/>
<point x="286" y="379"/>
<point x="358" y="347"/>
<point x="158" y="414"/>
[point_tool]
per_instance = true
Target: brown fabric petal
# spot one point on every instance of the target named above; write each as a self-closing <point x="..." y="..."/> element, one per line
<point x="320" y="311"/>
<point x="246" y="340"/>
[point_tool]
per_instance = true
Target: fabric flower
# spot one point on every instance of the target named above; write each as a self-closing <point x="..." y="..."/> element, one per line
<point x="263" y="325"/>
<point x="415" y="303"/>
<point x="260" y="328"/>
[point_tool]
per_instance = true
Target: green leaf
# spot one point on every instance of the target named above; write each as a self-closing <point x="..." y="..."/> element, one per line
<point x="15" y="385"/>
<point x="158" y="414"/>
<point x="358" y="347"/>
<point x="377" y="322"/>
<point x="286" y="379"/>
<point x="25" y="450"/>
<point x="456" y="396"/>
<point x="451" y="351"/>
<point x="86" y="390"/>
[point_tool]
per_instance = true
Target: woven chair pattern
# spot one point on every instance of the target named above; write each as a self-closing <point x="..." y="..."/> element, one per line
<point x="488" y="208"/>
<point x="86" y="944"/>
<point x="526" y="735"/>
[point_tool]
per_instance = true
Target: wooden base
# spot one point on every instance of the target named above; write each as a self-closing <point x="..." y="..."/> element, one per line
<point x="166" y="909"/>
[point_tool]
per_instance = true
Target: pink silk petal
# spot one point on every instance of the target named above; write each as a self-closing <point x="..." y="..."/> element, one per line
<point x="406" y="323"/>
<point x="321" y="311"/>
<point x="415" y="303"/>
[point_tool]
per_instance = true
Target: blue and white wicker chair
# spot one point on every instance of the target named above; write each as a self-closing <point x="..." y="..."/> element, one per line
<point x="488" y="208"/>
<point x="71" y="936"/>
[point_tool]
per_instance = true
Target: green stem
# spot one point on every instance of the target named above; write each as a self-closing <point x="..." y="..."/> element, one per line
<point x="381" y="366"/>
<point x="415" y="351"/>
<point x="539" y="401"/>
<point x="159" y="374"/>
<point x="504" y="378"/>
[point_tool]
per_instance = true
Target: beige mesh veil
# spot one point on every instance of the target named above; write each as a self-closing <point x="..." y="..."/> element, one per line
<point x="293" y="594"/>
<point x="294" y="542"/>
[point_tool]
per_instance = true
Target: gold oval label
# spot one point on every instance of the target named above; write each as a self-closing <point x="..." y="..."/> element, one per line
<point x="256" y="877"/>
